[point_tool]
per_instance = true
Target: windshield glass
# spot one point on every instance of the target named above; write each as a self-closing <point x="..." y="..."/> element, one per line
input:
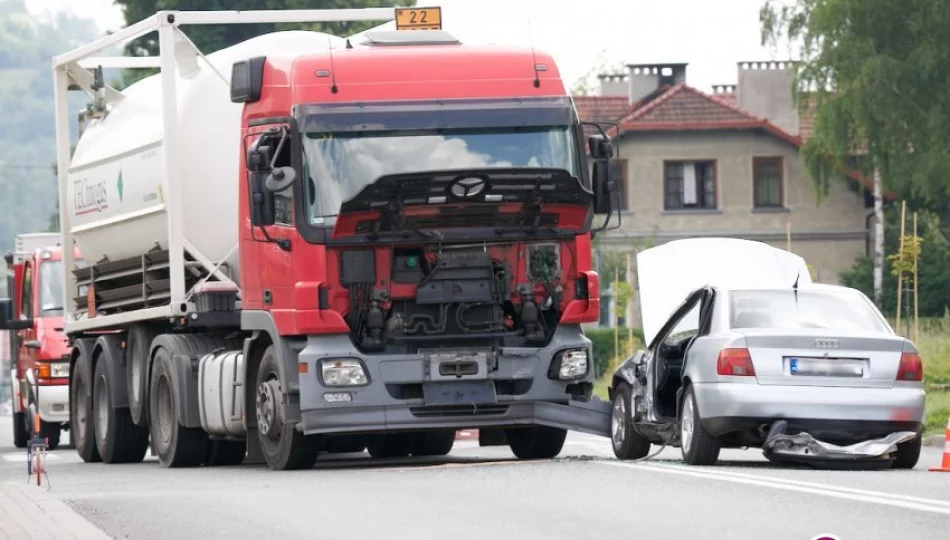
<point x="51" y="287"/>
<point x="340" y="165"/>
<point x="842" y="309"/>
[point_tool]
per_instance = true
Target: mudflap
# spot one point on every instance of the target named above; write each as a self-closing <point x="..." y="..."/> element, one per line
<point x="591" y="417"/>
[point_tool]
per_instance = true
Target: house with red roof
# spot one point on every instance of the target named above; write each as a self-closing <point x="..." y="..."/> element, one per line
<point x="723" y="163"/>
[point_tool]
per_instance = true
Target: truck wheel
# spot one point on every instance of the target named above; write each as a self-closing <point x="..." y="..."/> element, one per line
<point x="80" y="412"/>
<point x="118" y="439"/>
<point x="537" y="442"/>
<point x="390" y="445"/>
<point x="626" y="442"/>
<point x="51" y="432"/>
<point x="175" y="444"/>
<point x="344" y="444"/>
<point x="697" y="445"/>
<point x="433" y="443"/>
<point x="283" y="446"/>
<point x="908" y="453"/>
<point x="138" y="346"/>
<point x="20" y="435"/>
<point x="225" y="453"/>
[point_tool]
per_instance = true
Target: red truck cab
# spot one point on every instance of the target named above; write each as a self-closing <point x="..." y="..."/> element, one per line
<point x="34" y="317"/>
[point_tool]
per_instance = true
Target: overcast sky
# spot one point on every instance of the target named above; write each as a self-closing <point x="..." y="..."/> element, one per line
<point x="579" y="34"/>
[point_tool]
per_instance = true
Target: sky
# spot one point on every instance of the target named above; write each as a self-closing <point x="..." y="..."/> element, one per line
<point x="581" y="34"/>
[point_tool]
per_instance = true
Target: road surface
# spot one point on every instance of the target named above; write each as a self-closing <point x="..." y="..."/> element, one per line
<point x="484" y="493"/>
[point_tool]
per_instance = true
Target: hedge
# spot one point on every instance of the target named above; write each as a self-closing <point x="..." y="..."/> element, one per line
<point x="602" y="340"/>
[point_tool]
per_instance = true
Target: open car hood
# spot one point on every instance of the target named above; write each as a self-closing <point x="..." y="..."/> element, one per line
<point x="667" y="273"/>
<point x="480" y="198"/>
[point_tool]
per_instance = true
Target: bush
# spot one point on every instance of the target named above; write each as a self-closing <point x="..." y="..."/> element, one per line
<point x="602" y="341"/>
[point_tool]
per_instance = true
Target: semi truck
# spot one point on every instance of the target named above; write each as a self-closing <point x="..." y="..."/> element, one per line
<point x="32" y="320"/>
<point x="304" y="243"/>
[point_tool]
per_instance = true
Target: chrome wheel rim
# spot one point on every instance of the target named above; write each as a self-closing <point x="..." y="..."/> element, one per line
<point x="618" y="425"/>
<point x="686" y="424"/>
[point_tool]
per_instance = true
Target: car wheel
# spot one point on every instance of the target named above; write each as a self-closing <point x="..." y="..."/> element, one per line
<point x="697" y="445"/>
<point x="907" y="453"/>
<point x="626" y="442"/>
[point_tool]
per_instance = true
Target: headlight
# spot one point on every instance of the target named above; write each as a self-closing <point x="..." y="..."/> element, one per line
<point x="573" y="364"/>
<point x="343" y="372"/>
<point x="59" y="369"/>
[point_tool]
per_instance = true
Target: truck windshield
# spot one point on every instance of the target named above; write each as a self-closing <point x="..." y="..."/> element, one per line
<point x="340" y="165"/>
<point x="51" y="287"/>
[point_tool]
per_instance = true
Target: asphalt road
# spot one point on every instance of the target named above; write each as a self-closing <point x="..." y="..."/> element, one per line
<point x="485" y="493"/>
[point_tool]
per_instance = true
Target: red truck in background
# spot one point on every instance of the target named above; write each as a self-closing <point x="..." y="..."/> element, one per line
<point x="33" y="319"/>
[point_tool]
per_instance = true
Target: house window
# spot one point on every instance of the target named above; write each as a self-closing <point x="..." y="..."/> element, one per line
<point x="619" y="172"/>
<point x="689" y="185"/>
<point x="767" y="182"/>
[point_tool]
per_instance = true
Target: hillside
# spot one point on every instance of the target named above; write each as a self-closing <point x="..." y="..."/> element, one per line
<point x="27" y="144"/>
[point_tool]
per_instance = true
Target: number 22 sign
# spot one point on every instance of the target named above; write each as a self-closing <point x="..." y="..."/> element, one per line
<point x="419" y="18"/>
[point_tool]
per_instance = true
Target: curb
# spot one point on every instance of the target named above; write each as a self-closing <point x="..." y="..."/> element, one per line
<point x="935" y="441"/>
<point x="37" y="514"/>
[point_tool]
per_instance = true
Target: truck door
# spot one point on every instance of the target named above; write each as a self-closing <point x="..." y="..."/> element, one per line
<point x="24" y="355"/>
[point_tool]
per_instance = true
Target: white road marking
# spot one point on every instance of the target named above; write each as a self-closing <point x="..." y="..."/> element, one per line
<point x="814" y="488"/>
<point x="20" y="457"/>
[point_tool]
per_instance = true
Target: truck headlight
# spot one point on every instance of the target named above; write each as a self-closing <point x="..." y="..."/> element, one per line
<point x="570" y="364"/>
<point x="59" y="370"/>
<point x="337" y="372"/>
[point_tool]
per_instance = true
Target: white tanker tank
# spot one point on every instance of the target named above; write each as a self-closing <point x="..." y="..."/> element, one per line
<point x="117" y="186"/>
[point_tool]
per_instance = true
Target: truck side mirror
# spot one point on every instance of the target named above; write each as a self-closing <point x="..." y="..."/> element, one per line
<point x="263" y="206"/>
<point x="600" y="148"/>
<point x="7" y="320"/>
<point x="604" y="187"/>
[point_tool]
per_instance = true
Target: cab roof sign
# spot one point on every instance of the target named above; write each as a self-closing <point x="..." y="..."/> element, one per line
<point x="429" y="18"/>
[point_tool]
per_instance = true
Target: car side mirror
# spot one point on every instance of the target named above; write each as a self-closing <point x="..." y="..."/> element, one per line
<point x="600" y="148"/>
<point x="604" y="187"/>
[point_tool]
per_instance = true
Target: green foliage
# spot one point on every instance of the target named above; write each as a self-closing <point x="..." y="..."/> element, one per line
<point x="933" y="271"/>
<point x="27" y="143"/>
<point x="210" y="38"/>
<point x="603" y="350"/>
<point x="876" y="72"/>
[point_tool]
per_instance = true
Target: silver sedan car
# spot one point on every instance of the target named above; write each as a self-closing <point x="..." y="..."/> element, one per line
<point x="803" y="370"/>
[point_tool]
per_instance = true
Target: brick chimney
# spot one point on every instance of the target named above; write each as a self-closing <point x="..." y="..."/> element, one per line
<point x="765" y="90"/>
<point x="647" y="78"/>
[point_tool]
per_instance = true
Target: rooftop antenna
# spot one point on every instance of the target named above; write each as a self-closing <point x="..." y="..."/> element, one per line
<point x="333" y="87"/>
<point x="348" y="44"/>
<point x="534" y="59"/>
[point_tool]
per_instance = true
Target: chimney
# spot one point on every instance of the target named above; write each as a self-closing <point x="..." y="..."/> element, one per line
<point x="613" y="84"/>
<point x="765" y="90"/>
<point x="724" y="89"/>
<point x="647" y="78"/>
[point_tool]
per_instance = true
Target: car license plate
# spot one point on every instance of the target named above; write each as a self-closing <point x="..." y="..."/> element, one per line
<point x="459" y="393"/>
<point x="826" y="367"/>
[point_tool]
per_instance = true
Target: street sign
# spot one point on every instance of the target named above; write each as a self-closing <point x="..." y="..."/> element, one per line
<point x="429" y="18"/>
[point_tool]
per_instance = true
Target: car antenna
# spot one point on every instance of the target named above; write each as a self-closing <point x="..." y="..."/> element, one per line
<point x="333" y="87"/>
<point x="534" y="58"/>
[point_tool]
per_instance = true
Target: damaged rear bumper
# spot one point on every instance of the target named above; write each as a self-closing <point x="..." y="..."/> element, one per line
<point x="780" y="446"/>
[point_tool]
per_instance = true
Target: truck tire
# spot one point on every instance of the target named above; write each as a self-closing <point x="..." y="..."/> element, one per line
<point x="118" y="439"/>
<point x="20" y="435"/>
<point x="225" y="453"/>
<point x="138" y="345"/>
<point x="284" y="447"/>
<point x="344" y="444"/>
<point x="698" y="447"/>
<point x="624" y="439"/>
<point x="433" y="443"/>
<point x="390" y="445"/>
<point x="51" y="431"/>
<point x="537" y="442"/>
<point x="82" y="427"/>
<point x="175" y="444"/>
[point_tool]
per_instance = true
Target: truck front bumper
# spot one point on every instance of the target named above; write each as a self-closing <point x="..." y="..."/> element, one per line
<point x="53" y="403"/>
<point x="412" y="392"/>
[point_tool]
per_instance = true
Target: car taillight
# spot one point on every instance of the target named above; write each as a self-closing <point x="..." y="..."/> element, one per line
<point x="910" y="368"/>
<point x="736" y="362"/>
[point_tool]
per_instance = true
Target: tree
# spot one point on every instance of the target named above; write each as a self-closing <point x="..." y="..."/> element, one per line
<point x="210" y="38"/>
<point x="876" y="73"/>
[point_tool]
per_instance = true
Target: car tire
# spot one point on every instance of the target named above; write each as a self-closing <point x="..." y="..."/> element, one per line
<point x="20" y="434"/>
<point x="697" y="445"/>
<point x="626" y="442"/>
<point x="908" y="453"/>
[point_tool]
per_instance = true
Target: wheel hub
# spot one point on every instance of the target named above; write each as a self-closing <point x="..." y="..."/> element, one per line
<point x="268" y="408"/>
<point x="618" y="425"/>
<point x="686" y="425"/>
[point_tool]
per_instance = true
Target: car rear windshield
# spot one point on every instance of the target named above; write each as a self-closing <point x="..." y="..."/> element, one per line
<point x="844" y="309"/>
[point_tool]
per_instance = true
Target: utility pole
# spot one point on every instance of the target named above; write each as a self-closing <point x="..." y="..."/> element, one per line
<point x="878" y="237"/>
